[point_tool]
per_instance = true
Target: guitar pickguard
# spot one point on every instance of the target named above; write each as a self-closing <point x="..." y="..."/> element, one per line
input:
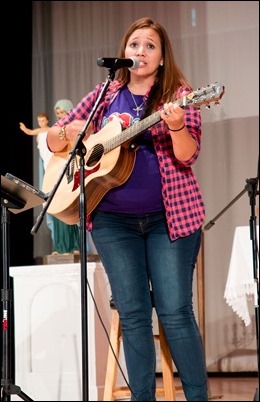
<point x="86" y="174"/>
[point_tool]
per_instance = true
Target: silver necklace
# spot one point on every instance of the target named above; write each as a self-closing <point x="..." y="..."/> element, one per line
<point x="137" y="109"/>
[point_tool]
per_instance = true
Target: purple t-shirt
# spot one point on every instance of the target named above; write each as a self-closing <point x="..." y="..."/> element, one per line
<point x="141" y="193"/>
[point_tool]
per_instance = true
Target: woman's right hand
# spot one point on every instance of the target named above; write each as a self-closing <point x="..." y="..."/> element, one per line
<point x="59" y="138"/>
<point x="74" y="128"/>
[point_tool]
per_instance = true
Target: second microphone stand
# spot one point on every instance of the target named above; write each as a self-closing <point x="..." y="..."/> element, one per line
<point x="251" y="188"/>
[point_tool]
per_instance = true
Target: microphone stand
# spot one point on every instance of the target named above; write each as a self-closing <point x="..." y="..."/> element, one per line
<point x="251" y="188"/>
<point x="80" y="149"/>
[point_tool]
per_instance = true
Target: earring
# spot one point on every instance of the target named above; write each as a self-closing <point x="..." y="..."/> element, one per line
<point x="161" y="63"/>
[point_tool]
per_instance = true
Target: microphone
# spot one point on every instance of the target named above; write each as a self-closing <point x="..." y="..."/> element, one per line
<point x="115" y="63"/>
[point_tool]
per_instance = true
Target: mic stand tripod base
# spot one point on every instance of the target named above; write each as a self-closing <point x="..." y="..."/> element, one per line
<point x="11" y="389"/>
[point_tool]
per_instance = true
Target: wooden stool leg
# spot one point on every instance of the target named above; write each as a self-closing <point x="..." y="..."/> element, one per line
<point x="111" y="372"/>
<point x="167" y="367"/>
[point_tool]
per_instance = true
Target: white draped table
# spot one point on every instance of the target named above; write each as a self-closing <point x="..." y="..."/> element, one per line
<point x="240" y="286"/>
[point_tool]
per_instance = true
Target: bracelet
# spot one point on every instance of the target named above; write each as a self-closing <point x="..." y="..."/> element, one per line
<point x="62" y="134"/>
<point x="179" y="129"/>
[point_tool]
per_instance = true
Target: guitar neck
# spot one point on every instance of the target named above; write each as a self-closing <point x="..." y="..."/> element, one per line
<point x="204" y="95"/>
<point x="131" y="132"/>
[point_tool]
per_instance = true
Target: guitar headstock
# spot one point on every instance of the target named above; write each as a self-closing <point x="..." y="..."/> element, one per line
<point x="203" y="96"/>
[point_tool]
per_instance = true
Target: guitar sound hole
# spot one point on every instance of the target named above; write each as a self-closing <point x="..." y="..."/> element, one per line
<point x="95" y="155"/>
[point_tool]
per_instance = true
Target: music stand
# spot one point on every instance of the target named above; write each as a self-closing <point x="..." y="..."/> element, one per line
<point x="16" y="196"/>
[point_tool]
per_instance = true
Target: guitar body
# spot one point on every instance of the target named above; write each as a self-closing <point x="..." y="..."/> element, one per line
<point x="103" y="171"/>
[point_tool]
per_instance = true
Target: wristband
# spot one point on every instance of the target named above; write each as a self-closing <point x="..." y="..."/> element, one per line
<point x="179" y="129"/>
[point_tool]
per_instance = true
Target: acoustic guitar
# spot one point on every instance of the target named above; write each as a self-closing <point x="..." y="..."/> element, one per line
<point x="109" y="160"/>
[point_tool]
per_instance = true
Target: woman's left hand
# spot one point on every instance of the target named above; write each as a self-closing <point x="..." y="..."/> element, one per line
<point x="173" y="115"/>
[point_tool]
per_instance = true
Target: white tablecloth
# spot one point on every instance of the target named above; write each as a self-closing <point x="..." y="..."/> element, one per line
<point x="240" y="285"/>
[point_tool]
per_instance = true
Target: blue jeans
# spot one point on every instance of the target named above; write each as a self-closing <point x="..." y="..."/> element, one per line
<point x="138" y="256"/>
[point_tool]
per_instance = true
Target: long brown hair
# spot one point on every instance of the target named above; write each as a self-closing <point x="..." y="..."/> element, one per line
<point x="169" y="76"/>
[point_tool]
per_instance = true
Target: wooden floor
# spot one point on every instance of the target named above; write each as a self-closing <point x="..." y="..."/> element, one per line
<point x="226" y="388"/>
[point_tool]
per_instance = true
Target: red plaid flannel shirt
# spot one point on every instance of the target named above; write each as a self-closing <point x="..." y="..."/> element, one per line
<point x="184" y="207"/>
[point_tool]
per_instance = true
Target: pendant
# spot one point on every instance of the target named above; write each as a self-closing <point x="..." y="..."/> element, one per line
<point x="138" y="109"/>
